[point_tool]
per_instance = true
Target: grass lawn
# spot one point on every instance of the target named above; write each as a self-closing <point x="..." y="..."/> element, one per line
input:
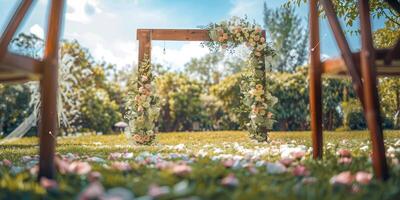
<point x="206" y="165"/>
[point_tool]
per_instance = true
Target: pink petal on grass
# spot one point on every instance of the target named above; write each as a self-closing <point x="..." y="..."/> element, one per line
<point x="230" y="181"/>
<point x="345" y="178"/>
<point x="345" y="160"/>
<point x="157" y="191"/>
<point x="7" y="163"/>
<point x="300" y="170"/>
<point x="79" y="167"/>
<point x="228" y="163"/>
<point x="94" y="191"/>
<point x="181" y="169"/>
<point x="344" y="153"/>
<point x="115" y="156"/>
<point x="48" y="183"/>
<point x="363" y="177"/>
<point x="298" y="154"/>
<point x="94" y="176"/>
<point x="61" y="165"/>
<point x="286" y="161"/>
<point x="121" y="166"/>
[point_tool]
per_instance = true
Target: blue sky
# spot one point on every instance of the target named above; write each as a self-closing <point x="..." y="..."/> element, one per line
<point x="108" y="27"/>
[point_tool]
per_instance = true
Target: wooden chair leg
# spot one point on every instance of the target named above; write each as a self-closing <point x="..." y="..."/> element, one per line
<point x="48" y="127"/>
<point x="315" y="82"/>
<point x="371" y="108"/>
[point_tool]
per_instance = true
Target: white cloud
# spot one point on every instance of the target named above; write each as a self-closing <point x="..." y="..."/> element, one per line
<point x="37" y="30"/>
<point x="177" y="58"/>
<point x="82" y="10"/>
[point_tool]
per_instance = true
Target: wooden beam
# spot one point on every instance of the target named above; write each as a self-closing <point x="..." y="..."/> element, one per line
<point x="337" y="66"/>
<point x="344" y="47"/>
<point x="144" y="38"/>
<point x="13" y="25"/>
<point x="371" y="97"/>
<point x="176" y="34"/>
<point x="392" y="53"/>
<point x="48" y="126"/>
<point x="15" y="62"/>
<point x="315" y="74"/>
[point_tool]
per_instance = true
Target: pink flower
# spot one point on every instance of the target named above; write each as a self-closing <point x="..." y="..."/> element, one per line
<point x="300" y="170"/>
<point x="221" y="39"/>
<point x="34" y="170"/>
<point x="48" y="183"/>
<point x="181" y="169"/>
<point x="121" y="166"/>
<point x="230" y="181"/>
<point x="298" y="154"/>
<point x="286" y="161"/>
<point x="252" y="170"/>
<point x="94" y="191"/>
<point x="61" y="165"/>
<point x="79" y="168"/>
<point x="94" y="176"/>
<point x="345" y="160"/>
<point x="114" y="156"/>
<point x="363" y="177"/>
<point x="157" y="191"/>
<point x="7" y="163"/>
<point x="345" y="178"/>
<point x="228" y="163"/>
<point x="225" y="36"/>
<point x="344" y="153"/>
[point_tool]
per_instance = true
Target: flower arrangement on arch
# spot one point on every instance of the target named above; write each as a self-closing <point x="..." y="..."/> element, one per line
<point x="143" y="106"/>
<point x="230" y="34"/>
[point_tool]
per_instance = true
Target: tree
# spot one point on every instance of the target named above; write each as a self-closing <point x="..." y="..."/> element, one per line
<point x="205" y="69"/>
<point x="180" y="102"/>
<point x="288" y="37"/>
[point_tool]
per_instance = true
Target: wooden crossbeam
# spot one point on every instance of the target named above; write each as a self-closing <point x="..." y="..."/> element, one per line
<point x="15" y="62"/>
<point x="392" y="53"/>
<point x="337" y="66"/>
<point x="13" y="25"/>
<point x="176" y="34"/>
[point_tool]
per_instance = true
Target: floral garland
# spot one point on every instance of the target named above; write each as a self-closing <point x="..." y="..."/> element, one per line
<point x="229" y="35"/>
<point x="143" y="106"/>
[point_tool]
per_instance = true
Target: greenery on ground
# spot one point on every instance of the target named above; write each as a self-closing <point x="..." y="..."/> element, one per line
<point x="205" y="165"/>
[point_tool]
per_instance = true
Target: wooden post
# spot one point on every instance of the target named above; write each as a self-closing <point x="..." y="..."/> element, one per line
<point x="315" y="81"/>
<point x="371" y="108"/>
<point x="144" y="37"/>
<point x="48" y="127"/>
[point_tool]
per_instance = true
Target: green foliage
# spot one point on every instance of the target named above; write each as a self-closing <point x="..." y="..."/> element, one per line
<point x="14" y="106"/>
<point x="288" y="37"/>
<point x="143" y="105"/>
<point x="292" y="110"/>
<point x="348" y="11"/>
<point x="99" y="112"/>
<point x="181" y="103"/>
<point x="228" y="93"/>
<point x="205" y="69"/>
